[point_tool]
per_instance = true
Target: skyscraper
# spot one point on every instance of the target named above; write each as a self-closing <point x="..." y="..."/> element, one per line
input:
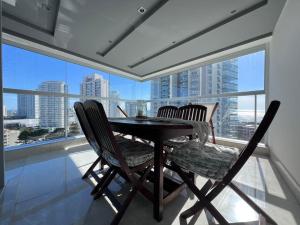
<point x="94" y="86"/>
<point x="202" y="81"/>
<point x="52" y="108"/>
<point x="28" y="106"/>
<point x="114" y="102"/>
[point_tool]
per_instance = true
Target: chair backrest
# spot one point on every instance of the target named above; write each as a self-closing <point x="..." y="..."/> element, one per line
<point x="100" y="126"/>
<point x="252" y="144"/>
<point x="211" y="109"/>
<point x="192" y="112"/>
<point x="122" y="111"/>
<point x="85" y="126"/>
<point x="168" y="111"/>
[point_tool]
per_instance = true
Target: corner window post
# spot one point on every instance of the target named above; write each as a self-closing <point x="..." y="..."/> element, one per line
<point x="1" y="109"/>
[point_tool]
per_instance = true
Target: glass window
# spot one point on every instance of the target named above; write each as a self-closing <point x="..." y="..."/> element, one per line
<point x="244" y="73"/>
<point x="235" y="117"/>
<point x="28" y="115"/>
<point x="33" y="118"/>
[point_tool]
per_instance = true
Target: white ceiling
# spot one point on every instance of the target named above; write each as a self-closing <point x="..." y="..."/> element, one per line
<point x="169" y="33"/>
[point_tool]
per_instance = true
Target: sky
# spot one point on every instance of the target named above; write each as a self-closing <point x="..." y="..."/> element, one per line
<point x="23" y="69"/>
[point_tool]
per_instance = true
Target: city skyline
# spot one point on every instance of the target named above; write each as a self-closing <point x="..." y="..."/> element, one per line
<point x="207" y="80"/>
<point x="49" y="111"/>
<point x="251" y="75"/>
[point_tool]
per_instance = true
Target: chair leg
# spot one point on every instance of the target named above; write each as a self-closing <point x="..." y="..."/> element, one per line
<point x="194" y="209"/>
<point x="130" y="196"/>
<point x="192" y="177"/>
<point x="125" y="205"/>
<point x="102" y="180"/>
<point x="105" y="184"/>
<point x="213" y="132"/>
<point x="203" y="202"/>
<point x="88" y="172"/>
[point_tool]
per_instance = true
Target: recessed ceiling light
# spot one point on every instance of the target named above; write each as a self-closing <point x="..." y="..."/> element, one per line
<point x="141" y="10"/>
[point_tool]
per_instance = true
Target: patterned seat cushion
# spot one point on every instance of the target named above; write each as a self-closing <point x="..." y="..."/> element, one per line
<point x="134" y="152"/>
<point x="200" y="134"/>
<point x="176" y="142"/>
<point x="209" y="160"/>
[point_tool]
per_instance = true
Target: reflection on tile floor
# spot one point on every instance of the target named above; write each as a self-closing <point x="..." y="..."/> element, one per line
<point x="47" y="189"/>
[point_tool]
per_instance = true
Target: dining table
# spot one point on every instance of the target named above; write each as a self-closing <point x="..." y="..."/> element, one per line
<point x="157" y="131"/>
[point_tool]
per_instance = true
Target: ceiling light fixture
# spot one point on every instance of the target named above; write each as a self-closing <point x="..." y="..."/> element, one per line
<point x="141" y="10"/>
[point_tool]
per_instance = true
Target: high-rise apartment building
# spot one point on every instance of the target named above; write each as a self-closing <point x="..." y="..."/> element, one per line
<point x="94" y="86"/>
<point x="245" y="130"/>
<point x="52" y="108"/>
<point x="4" y="111"/>
<point x="28" y="106"/>
<point x="114" y="102"/>
<point x="202" y="81"/>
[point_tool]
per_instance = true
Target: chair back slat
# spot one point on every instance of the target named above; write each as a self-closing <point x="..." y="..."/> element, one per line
<point x="192" y="112"/>
<point x="252" y="144"/>
<point x="100" y="126"/>
<point x="167" y="111"/>
<point x="85" y="126"/>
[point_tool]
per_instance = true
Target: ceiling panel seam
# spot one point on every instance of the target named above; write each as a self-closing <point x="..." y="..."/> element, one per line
<point x="56" y="16"/>
<point x="202" y="32"/>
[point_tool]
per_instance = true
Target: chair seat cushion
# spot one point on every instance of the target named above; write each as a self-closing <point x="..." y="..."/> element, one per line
<point x="134" y="152"/>
<point x="209" y="160"/>
<point x="176" y="142"/>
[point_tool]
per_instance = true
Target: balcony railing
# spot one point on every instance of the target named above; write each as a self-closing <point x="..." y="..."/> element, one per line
<point x="237" y="116"/>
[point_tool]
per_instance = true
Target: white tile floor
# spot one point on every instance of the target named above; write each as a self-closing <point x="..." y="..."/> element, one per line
<point x="48" y="189"/>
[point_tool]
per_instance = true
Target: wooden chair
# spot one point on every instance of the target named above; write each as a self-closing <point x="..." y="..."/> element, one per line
<point x="87" y="130"/>
<point x="167" y="111"/>
<point x="125" y="160"/>
<point x="122" y="111"/>
<point x="192" y="112"/>
<point x="187" y="112"/>
<point x="211" y="109"/>
<point x="214" y="186"/>
<point x="78" y="106"/>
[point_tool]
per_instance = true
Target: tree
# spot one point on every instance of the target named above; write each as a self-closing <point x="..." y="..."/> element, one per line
<point x="59" y="130"/>
<point x="39" y="132"/>
<point x="24" y="136"/>
<point x="74" y="128"/>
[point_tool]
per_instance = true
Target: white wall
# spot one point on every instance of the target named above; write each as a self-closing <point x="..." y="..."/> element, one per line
<point x="284" y="85"/>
